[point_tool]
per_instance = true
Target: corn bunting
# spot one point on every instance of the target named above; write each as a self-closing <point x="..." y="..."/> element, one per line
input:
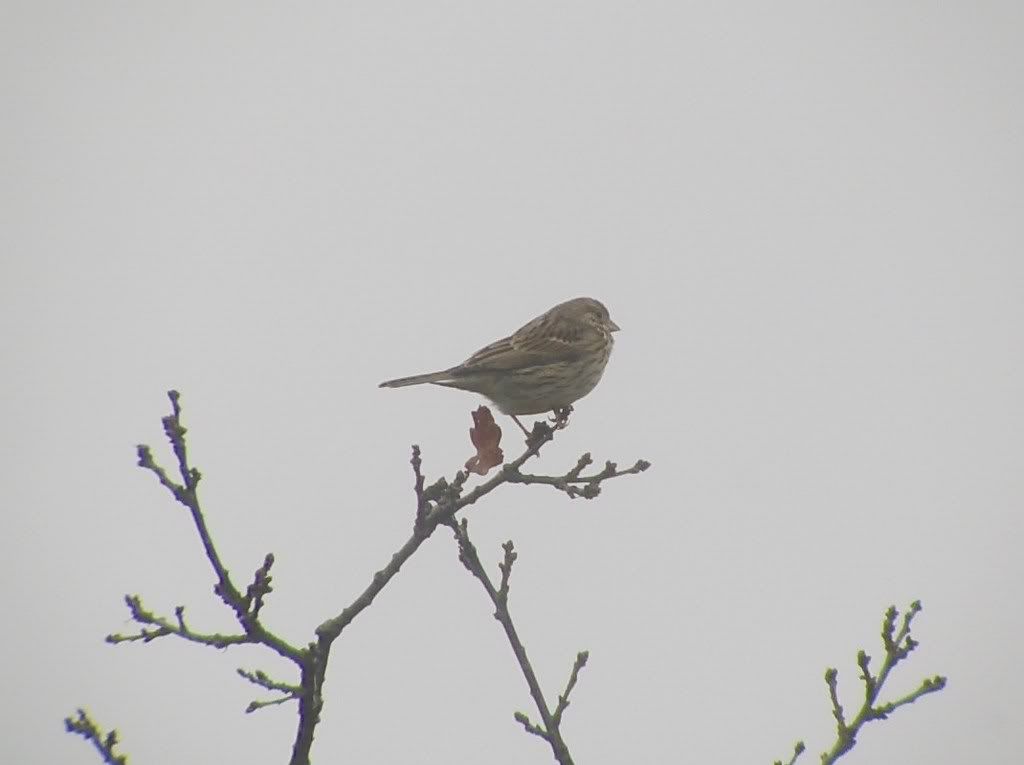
<point x="544" y="366"/>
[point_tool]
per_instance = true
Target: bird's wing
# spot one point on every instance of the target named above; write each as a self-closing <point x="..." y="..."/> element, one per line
<point x="542" y="341"/>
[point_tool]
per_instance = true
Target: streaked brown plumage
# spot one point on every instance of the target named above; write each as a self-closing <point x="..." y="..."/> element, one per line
<point x="545" y="365"/>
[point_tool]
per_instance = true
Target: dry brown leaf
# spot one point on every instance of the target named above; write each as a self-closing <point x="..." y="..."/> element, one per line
<point x="486" y="437"/>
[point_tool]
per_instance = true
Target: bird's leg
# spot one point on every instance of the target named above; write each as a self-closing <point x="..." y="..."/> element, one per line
<point x="521" y="426"/>
<point x="561" y="418"/>
<point x="540" y="433"/>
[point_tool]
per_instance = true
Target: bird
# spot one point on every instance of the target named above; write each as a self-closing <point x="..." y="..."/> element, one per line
<point x="545" y="365"/>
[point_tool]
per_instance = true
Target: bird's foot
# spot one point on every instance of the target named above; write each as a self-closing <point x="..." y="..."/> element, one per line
<point x="561" y="418"/>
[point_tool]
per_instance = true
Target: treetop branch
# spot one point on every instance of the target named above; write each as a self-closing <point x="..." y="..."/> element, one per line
<point x="436" y="504"/>
<point x="443" y="499"/>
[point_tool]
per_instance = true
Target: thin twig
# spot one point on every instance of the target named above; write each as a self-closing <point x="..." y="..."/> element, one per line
<point x="798" y="749"/>
<point x="261" y="679"/>
<point x="573" y="483"/>
<point x="165" y="626"/>
<point x="105" y="743"/>
<point x="421" y="501"/>
<point x="259" y="589"/>
<point x="563" y="698"/>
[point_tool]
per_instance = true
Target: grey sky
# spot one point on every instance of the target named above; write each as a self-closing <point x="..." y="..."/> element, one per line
<point x="805" y="217"/>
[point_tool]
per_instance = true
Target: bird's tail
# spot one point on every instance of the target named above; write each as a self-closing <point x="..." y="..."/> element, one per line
<point x="401" y="382"/>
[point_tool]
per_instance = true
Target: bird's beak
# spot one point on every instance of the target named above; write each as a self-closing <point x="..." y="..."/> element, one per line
<point x="612" y="326"/>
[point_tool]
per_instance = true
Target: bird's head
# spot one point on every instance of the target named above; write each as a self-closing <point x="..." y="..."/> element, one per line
<point x="593" y="313"/>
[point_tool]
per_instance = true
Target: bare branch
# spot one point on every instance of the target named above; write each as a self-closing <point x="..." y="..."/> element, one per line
<point x="186" y="494"/>
<point x="563" y="699"/>
<point x="105" y="743"/>
<point x="260" y="678"/>
<point x="505" y="567"/>
<point x="898" y="645"/>
<point x="798" y="749"/>
<point x="259" y="589"/>
<point x="442" y="501"/>
<point x="165" y="626"/>
<point x="436" y="504"/>
<point x="529" y="727"/>
<point x="263" y="680"/>
<point x="421" y="500"/>
<point x="573" y="483"/>
<point x="550" y="729"/>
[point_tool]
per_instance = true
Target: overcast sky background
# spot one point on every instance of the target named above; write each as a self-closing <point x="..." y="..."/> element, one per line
<point x="805" y="217"/>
